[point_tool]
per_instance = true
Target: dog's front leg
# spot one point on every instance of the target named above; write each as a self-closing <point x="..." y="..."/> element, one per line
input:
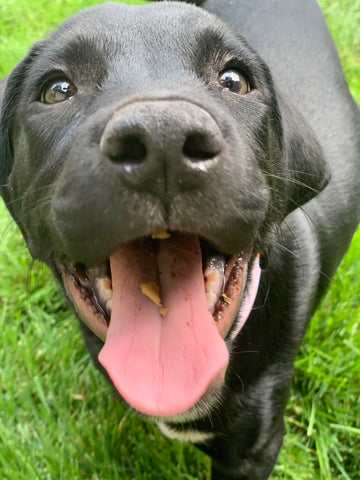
<point x="246" y="450"/>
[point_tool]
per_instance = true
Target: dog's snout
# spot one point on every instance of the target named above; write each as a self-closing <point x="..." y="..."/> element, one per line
<point x="163" y="145"/>
<point x="127" y="147"/>
<point x="200" y="146"/>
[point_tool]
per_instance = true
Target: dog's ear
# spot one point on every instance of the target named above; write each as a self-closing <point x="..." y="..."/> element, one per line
<point x="307" y="172"/>
<point x="10" y="92"/>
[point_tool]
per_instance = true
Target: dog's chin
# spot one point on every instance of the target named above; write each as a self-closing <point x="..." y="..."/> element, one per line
<point x="92" y="290"/>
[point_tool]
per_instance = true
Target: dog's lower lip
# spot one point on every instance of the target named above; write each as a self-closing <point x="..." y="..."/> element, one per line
<point x="90" y="290"/>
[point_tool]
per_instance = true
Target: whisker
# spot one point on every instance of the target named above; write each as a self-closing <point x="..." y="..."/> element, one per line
<point x="292" y="180"/>
<point x="13" y="203"/>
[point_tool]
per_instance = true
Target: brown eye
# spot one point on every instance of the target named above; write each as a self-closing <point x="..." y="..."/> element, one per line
<point x="234" y="81"/>
<point x="58" y="91"/>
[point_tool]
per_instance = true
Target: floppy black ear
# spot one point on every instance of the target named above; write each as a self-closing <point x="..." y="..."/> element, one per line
<point x="305" y="164"/>
<point x="10" y="92"/>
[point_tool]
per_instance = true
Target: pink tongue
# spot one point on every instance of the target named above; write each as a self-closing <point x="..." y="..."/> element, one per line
<point x="162" y="365"/>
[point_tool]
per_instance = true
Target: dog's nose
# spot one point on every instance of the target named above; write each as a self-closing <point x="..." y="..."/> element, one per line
<point x="163" y="146"/>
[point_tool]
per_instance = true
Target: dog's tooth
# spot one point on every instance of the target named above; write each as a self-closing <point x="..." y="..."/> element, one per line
<point x="214" y="280"/>
<point x="104" y="289"/>
<point x="109" y="304"/>
<point x="215" y="262"/>
<point x="211" y="299"/>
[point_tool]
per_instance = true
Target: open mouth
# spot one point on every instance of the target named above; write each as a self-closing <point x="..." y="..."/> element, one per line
<point x="163" y="306"/>
<point x="224" y="281"/>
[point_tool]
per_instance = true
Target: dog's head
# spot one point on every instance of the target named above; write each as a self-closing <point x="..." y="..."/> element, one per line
<point x="147" y="158"/>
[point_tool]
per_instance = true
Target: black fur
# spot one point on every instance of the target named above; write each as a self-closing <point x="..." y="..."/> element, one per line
<point x="286" y="180"/>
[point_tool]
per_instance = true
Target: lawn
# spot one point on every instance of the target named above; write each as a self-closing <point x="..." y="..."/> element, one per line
<point x="58" y="419"/>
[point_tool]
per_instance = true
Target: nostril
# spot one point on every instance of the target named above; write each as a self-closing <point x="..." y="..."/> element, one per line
<point x="128" y="149"/>
<point x="200" y="146"/>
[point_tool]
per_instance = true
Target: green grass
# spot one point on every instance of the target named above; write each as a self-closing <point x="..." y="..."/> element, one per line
<point x="58" y="419"/>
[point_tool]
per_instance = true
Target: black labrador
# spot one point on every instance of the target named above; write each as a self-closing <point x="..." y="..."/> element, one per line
<point x="192" y="179"/>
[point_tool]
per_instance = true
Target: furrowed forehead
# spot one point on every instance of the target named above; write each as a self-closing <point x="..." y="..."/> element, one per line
<point x="125" y="27"/>
<point x="113" y="30"/>
<point x="131" y="36"/>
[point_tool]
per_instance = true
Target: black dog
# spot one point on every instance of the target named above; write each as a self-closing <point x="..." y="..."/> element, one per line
<point x="193" y="200"/>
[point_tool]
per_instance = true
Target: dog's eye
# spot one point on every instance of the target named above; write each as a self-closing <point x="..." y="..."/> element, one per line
<point x="234" y="81"/>
<point x="58" y="91"/>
